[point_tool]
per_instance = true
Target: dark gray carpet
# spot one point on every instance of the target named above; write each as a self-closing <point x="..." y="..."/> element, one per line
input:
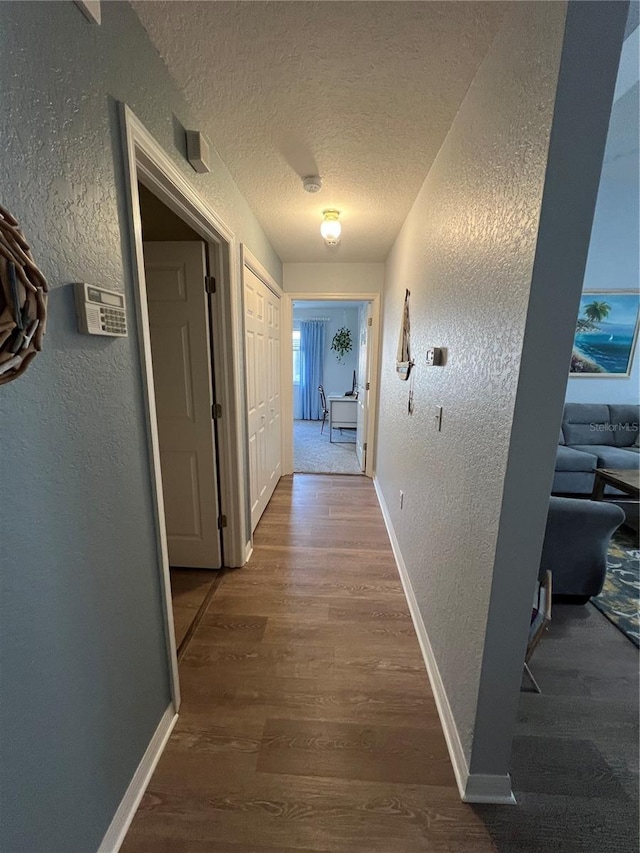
<point x="575" y="754"/>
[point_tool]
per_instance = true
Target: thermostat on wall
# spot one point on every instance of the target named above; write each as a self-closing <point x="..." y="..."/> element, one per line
<point x="100" y="311"/>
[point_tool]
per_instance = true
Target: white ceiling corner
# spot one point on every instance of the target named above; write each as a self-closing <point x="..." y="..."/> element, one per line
<point x="362" y="93"/>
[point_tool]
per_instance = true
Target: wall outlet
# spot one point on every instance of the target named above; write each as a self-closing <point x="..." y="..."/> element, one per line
<point x="401" y="499"/>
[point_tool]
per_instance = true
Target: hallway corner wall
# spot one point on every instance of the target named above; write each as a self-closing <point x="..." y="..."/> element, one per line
<point x="467" y="251"/>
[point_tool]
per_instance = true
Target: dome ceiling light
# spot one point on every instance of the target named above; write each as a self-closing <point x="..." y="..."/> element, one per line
<point x="331" y="227"/>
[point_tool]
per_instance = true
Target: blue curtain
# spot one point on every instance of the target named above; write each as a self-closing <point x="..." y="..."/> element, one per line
<point x="311" y="363"/>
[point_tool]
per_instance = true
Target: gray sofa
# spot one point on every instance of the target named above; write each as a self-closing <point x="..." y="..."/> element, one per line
<point x="575" y="545"/>
<point x="595" y="436"/>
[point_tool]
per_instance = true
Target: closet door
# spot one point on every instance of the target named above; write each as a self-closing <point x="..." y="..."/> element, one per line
<point x="262" y="354"/>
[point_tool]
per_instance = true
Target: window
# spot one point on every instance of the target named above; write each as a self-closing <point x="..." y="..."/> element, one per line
<point x="296" y="356"/>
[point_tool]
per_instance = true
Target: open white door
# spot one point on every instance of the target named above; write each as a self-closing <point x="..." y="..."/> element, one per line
<point x="262" y="353"/>
<point x="179" y="328"/>
<point x="364" y="383"/>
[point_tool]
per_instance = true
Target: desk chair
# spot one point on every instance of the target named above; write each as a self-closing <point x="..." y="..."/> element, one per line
<point x="323" y="406"/>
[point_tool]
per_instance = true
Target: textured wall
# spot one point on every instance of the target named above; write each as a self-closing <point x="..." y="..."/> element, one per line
<point x="586" y="82"/>
<point x="466" y="252"/>
<point x="333" y="278"/>
<point x="614" y="251"/>
<point x="83" y="674"/>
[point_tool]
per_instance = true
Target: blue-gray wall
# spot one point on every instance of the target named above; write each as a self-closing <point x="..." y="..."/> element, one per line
<point x="83" y="670"/>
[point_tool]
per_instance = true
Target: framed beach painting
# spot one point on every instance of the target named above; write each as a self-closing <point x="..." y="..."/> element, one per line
<point x="606" y="334"/>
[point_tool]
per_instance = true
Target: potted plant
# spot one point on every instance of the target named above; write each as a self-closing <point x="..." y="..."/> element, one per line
<point x="342" y="343"/>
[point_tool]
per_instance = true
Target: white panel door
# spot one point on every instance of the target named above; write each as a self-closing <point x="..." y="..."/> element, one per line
<point x="262" y="351"/>
<point x="179" y="326"/>
<point x="364" y="383"/>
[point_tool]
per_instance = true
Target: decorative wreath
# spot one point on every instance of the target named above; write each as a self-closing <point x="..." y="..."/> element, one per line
<point x="23" y="301"/>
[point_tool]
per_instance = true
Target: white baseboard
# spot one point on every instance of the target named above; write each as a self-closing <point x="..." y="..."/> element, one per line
<point x="118" y="827"/>
<point x="473" y="787"/>
<point x="248" y="551"/>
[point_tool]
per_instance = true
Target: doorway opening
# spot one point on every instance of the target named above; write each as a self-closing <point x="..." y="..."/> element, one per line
<point x="331" y="347"/>
<point x="177" y="264"/>
<point x="147" y="164"/>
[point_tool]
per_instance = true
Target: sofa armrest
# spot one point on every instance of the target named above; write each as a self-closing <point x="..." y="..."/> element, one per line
<point x="576" y="543"/>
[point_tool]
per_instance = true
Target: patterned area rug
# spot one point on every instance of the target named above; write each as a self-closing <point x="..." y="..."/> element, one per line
<point x="619" y="597"/>
<point x="313" y="453"/>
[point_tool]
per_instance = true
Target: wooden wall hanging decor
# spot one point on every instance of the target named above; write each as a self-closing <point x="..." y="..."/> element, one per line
<point x="23" y="301"/>
<point x="403" y="358"/>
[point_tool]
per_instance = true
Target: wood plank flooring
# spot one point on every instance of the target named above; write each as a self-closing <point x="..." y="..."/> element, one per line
<point x="189" y="591"/>
<point x="308" y="722"/>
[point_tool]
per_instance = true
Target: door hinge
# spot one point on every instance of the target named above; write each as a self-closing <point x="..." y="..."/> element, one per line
<point x="364" y="447"/>
<point x="216" y="411"/>
<point x="367" y="386"/>
<point x="369" y="321"/>
<point x="209" y="284"/>
<point x="222" y="521"/>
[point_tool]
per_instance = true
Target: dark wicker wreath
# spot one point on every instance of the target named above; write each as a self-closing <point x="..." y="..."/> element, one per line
<point x="23" y="301"/>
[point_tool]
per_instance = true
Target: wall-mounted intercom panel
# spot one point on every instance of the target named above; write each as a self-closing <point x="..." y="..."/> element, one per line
<point x="100" y="311"/>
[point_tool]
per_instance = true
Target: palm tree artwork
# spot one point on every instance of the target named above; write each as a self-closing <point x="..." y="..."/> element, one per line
<point x="594" y="312"/>
<point x="606" y="330"/>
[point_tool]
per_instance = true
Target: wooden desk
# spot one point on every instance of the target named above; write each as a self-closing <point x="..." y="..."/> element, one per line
<point x="343" y="413"/>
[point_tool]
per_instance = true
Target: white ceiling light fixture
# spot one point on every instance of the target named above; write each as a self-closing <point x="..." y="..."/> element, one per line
<point x="312" y="183"/>
<point x="331" y="227"/>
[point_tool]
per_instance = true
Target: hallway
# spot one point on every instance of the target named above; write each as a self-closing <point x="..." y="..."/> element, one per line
<point x="307" y="721"/>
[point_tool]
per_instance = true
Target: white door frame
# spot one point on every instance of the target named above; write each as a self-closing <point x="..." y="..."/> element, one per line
<point x="287" y="370"/>
<point x="146" y="161"/>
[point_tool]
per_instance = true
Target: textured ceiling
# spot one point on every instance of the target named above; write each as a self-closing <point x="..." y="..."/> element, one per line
<point x="362" y="93"/>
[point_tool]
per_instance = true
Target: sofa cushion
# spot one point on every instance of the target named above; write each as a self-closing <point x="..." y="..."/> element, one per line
<point x="624" y="421"/>
<point x="587" y="423"/>
<point x="570" y="459"/>
<point x="573" y="482"/>
<point x="616" y="458"/>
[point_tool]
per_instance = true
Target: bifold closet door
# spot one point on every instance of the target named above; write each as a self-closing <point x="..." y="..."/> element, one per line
<point x="262" y="354"/>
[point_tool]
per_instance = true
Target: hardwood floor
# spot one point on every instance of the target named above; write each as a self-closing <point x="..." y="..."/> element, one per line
<point x="190" y="589"/>
<point x="307" y="721"/>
